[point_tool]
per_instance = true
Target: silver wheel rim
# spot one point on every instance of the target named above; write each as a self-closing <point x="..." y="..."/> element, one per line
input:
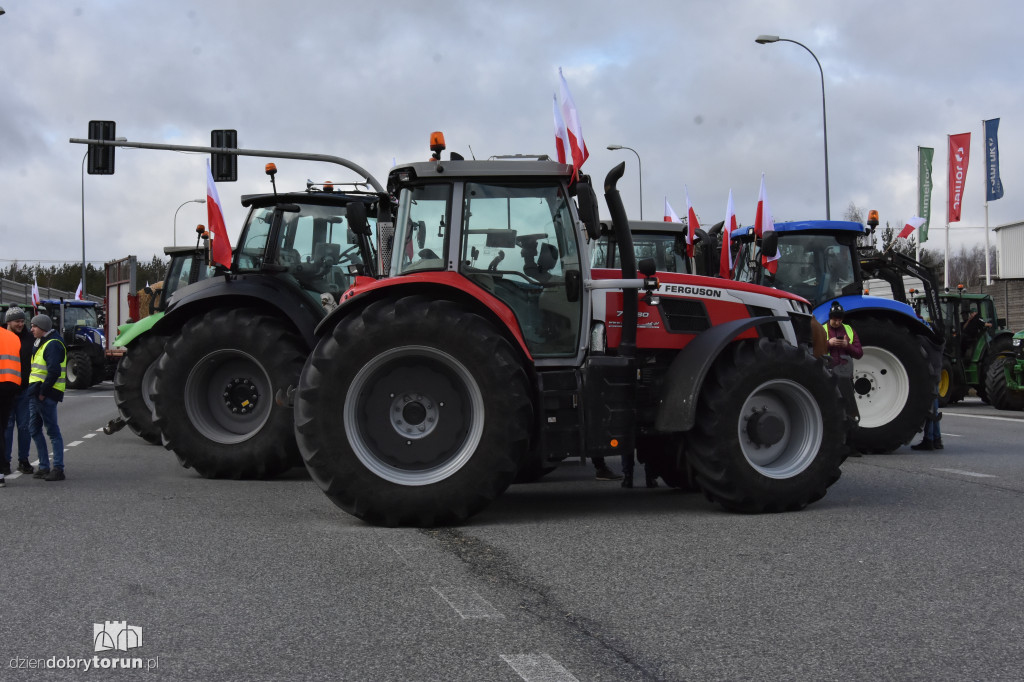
<point x="358" y="430"/>
<point x="882" y="386"/>
<point x="228" y="396"/>
<point x="802" y="428"/>
<point x="149" y="385"/>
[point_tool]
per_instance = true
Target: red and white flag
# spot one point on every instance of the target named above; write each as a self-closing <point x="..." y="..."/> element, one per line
<point x="78" y="292"/>
<point x="670" y="215"/>
<point x="577" y="147"/>
<point x="561" y="136"/>
<point x="35" y="293"/>
<point x="959" y="155"/>
<point x="221" y="247"/>
<point x="691" y="224"/>
<point x="726" y="262"/>
<point x="764" y="222"/>
<point x="911" y="225"/>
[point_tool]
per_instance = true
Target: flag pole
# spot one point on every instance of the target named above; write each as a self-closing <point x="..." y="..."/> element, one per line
<point x="988" y="267"/>
<point x="948" y="162"/>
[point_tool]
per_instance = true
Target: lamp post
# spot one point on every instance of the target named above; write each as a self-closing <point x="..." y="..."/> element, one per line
<point x="640" y="173"/>
<point x="190" y="201"/>
<point x="119" y="139"/>
<point x="764" y="40"/>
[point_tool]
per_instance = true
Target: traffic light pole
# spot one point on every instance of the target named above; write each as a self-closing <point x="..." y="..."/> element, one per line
<point x="326" y="158"/>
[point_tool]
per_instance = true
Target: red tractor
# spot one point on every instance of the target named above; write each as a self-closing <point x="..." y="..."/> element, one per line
<point x="493" y="349"/>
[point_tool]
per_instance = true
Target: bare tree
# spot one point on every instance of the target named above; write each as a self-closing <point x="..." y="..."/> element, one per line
<point x="967" y="267"/>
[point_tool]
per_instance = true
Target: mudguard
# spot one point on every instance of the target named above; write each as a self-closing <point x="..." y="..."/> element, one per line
<point x="677" y="405"/>
<point x="131" y="331"/>
<point x="267" y="293"/>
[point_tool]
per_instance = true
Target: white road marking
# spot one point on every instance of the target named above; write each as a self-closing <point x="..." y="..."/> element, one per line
<point x="967" y="473"/>
<point x="74" y="443"/>
<point x="467" y="603"/>
<point x="538" y="668"/>
<point x="89" y="435"/>
<point x="983" y="416"/>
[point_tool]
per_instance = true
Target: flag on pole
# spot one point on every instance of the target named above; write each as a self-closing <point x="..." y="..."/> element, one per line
<point x="764" y="222"/>
<point x="221" y="247"/>
<point x="993" y="185"/>
<point x="911" y="225"/>
<point x="691" y="224"/>
<point x="670" y="215"/>
<point x="924" y="189"/>
<point x="35" y="293"/>
<point x="78" y="292"/>
<point x="577" y="147"/>
<point x="561" y="136"/>
<point x="959" y="155"/>
<point x="726" y="261"/>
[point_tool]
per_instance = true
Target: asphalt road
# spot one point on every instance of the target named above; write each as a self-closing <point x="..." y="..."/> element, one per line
<point x="910" y="569"/>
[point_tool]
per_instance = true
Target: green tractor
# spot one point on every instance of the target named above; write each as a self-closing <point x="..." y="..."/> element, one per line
<point x="1004" y="379"/>
<point x="975" y="338"/>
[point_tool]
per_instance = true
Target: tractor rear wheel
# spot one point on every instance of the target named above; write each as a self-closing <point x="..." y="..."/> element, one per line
<point x="78" y="370"/>
<point x="999" y="394"/>
<point x="215" y="390"/>
<point x="894" y="383"/>
<point x="134" y="382"/>
<point x="771" y="429"/>
<point x="413" y="411"/>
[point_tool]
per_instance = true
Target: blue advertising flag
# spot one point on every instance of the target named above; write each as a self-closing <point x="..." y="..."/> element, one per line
<point x="993" y="185"/>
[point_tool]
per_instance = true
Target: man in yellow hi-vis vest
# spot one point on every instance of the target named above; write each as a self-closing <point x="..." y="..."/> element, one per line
<point x="46" y="384"/>
<point x="10" y="383"/>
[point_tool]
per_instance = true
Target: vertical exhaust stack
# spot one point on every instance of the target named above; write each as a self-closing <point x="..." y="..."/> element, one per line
<point x="627" y="258"/>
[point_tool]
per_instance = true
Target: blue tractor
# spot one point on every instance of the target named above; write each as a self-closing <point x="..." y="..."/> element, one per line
<point x="82" y="331"/>
<point x="896" y="380"/>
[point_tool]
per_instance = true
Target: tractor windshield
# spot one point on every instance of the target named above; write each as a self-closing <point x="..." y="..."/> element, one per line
<point x="814" y="266"/>
<point x="75" y="316"/>
<point x="421" y="229"/>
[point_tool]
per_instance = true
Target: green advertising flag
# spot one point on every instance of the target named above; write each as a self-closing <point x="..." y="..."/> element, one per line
<point x="924" y="189"/>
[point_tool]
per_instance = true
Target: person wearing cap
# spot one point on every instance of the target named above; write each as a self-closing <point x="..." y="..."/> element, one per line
<point x="10" y="380"/>
<point x="46" y="386"/>
<point x="843" y="348"/>
<point x="17" y="323"/>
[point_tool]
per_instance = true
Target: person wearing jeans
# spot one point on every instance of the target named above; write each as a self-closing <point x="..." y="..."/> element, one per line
<point x="46" y="386"/>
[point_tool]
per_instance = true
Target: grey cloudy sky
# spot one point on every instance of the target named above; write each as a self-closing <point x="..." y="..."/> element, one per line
<point x="681" y="82"/>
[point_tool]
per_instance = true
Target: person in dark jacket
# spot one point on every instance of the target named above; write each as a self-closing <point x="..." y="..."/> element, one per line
<point x="17" y="323"/>
<point x="46" y="386"/>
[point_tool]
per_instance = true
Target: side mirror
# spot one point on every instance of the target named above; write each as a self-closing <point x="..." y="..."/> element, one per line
<point x="586" y="199"/>
<point x="770" y="244"/>
<point x="355" y="212"/>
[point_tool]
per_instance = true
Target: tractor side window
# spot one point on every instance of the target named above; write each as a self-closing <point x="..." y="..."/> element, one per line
<point x="421" y="229"/>
<point x="252" y="248"/>
<point x="518" y="243"/>
<point x="317" y="247"/>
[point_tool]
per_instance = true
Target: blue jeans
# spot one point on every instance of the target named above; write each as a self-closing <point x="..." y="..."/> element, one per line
<point x="19" y="417"/>
<point x="931" y="427"/>
<point x="43" y="413"/>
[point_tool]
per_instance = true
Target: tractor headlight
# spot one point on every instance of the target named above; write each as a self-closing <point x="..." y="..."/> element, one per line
<point x="1016" y="343"/>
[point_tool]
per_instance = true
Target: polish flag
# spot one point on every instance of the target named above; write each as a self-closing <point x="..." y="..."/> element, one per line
<point x="78" y="292"/>
<point x="35" y="293"/>
<point x="221" y="247"/>
<point x="726" y="262"/>
<point x="561" y="136"/>
<point x="577" y="146"/>
<point x="670" y="215"/>
<point x="911" y="225"/>
<point x="764" y="222"/>
<point x="691" y="224"/>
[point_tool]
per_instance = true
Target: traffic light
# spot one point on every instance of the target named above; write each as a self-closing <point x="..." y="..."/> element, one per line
<point x="101" y="158"/>
<point x="224" y="166"/>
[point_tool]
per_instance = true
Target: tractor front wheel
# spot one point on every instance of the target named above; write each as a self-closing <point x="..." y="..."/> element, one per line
<point x="413" y="412"/>
<point x="134" y="382"/>
<point x="78" y="370"/>
<point x="999" y="393"/>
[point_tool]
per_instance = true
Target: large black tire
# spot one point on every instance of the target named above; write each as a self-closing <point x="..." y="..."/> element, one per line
<point x="952" y="388"/>
<point x="663" y="456"/>
<point x="999" y="394"/>
<point x="895" y="384"/>
<point x="413" y="412"/>
<point x="214" y="398"/>
<point x="771" y="429"/>
<point x="78" y="370"/>
<point x="134" y="382"/>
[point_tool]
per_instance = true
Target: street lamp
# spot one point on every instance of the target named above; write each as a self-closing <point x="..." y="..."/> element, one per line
<point x="764" y="40"/>
<point x="640" y="171"/>
<point x="119" y="139"/>
<point x="190" y="201"/>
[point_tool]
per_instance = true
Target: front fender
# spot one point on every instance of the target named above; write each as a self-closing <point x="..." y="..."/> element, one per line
<point x="677" y="405"/>
<point x="131" y="331"/>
